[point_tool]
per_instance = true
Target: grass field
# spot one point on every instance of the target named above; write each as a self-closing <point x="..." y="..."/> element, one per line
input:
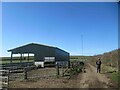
<point x="15" y="61"/>
<point x="6" y="60"/>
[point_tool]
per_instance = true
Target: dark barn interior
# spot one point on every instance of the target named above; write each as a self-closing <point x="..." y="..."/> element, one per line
<point x="43" y="54"/>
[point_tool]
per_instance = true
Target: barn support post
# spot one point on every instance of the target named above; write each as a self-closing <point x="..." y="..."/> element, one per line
<point x="21" y="57"/>
<point x="34" y="57"/>
<point x="11" y="57"/>
<point x="28" y="57"/>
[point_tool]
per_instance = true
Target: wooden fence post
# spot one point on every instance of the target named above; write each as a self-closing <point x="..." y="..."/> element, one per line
<point x="25" y="73"/>
<point x="57" y="69"/>
<point x="68" y="64"/>
<point x="8" y="77"/>
<point x="72" y="64"/>
<point x="62" y="71"/>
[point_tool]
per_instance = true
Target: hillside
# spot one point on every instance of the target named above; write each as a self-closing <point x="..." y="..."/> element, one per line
<point x="109" y="58"/>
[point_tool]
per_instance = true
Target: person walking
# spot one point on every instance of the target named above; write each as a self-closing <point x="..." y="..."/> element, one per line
<point x="98" y="63"/>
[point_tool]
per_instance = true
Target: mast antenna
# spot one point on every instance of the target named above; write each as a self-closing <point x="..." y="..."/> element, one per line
<point x="82" y="43"/>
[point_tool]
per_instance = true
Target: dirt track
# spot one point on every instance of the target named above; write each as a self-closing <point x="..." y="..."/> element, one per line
<point x="91" y="79"/>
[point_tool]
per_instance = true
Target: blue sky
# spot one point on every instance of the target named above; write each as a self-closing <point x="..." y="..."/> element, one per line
<point x="61" y="25"/>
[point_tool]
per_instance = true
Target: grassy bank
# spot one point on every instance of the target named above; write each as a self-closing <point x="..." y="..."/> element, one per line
<point x="115" y="77"/>
<point x="112" y="73"/>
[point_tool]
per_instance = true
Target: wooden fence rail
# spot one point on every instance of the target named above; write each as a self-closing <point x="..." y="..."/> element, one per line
<point x="4" y="78"/>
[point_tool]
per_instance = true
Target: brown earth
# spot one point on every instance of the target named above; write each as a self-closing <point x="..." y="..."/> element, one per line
<point x="90" y="79"/>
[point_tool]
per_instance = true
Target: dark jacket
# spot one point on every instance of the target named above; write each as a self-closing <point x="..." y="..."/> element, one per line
<point x="98" y="63"/>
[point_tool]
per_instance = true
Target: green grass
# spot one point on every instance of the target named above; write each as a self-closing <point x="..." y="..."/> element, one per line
<point x="15" y="61"/>
<point x="116" y="77"/>
<point x="5" y="62"/>
<point x="109" y="68"/>
<point x="78" y="60"/>
<point x="113" y="72"/>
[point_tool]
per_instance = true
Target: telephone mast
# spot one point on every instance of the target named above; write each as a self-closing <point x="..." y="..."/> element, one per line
<point x="82" y="43"/>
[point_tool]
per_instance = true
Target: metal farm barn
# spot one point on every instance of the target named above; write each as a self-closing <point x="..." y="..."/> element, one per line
<point x="42" y="54"/>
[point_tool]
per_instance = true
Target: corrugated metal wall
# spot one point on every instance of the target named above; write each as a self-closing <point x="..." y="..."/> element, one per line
<point x="61" y="55"/>
<point x="42" y="51"/>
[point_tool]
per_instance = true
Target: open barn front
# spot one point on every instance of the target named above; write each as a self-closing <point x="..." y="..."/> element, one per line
<point x="18" y="61"/>
<point x="43" y="55"/>
<point x="22" y="58"/>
